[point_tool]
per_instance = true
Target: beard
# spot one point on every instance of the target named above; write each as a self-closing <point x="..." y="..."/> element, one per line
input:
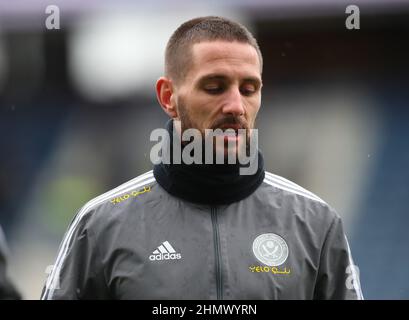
<point x="187" y="122"/>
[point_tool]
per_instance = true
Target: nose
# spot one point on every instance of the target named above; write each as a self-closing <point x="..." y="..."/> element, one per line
<point x="234" y="103"/>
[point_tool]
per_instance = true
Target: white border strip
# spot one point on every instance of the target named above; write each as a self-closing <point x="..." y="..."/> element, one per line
<point x="286" y="182"/>
<point x="355" y="277"/>
<point x="291" y="187"/>
<point x="289" y="190"/>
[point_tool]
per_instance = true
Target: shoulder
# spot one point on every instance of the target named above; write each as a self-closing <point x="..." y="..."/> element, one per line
<point x="296" y="199"/>
<point x="112" y="201"/>
<point x="288" y="187"/>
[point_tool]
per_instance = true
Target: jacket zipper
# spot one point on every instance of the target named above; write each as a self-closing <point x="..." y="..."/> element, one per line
<point x="218" y="256"/>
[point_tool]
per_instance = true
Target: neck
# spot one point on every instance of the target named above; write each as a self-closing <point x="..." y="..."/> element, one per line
<point x="210" y="184"/>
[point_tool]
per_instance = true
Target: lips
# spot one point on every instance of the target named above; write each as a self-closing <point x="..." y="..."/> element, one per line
<point x="235" y="127"/>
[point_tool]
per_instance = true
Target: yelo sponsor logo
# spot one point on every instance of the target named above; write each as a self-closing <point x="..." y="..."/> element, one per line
<point x="129" y="195"/>
<point x="274" y="270"/>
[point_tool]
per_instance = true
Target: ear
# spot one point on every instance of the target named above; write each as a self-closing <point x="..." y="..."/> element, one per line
<point x="164" y="92"/>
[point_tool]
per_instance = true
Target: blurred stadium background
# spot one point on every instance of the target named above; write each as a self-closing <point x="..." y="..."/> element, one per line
<point x="78" y="105"/>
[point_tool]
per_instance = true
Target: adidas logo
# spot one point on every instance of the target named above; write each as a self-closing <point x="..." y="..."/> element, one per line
<point x="165" y="252"/>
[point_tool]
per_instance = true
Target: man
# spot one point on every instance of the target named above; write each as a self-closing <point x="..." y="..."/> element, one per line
<point x="200" y="230"/>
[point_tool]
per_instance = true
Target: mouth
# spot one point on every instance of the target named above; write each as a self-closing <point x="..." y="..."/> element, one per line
<point x="231" y="126"/>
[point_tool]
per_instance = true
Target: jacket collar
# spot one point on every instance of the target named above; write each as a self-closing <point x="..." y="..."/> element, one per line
<point x="210" y="184"/>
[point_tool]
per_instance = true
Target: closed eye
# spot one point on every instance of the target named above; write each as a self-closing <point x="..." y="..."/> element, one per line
<point x="248" y="90"/>
<point x="214" y="90"/>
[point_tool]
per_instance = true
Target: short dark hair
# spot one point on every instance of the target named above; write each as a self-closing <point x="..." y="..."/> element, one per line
<point x="210" y="28"/>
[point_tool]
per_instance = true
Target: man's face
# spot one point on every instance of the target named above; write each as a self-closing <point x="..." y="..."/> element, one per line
<point x="222" y="89"/>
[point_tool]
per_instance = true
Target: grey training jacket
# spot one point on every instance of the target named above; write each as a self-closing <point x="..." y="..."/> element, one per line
<point x="139" y="242"/>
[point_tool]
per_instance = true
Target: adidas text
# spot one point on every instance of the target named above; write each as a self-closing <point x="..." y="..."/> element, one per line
<point x="165" y="256"/>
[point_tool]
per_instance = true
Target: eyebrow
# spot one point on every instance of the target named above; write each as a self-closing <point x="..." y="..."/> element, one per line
<point x="220" y="77"/>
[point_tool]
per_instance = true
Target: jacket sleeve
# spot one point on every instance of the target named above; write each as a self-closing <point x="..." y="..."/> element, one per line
<point x="77" y="273"/>
<point x="7" y="289"/>
<point x="338" y="277"/>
